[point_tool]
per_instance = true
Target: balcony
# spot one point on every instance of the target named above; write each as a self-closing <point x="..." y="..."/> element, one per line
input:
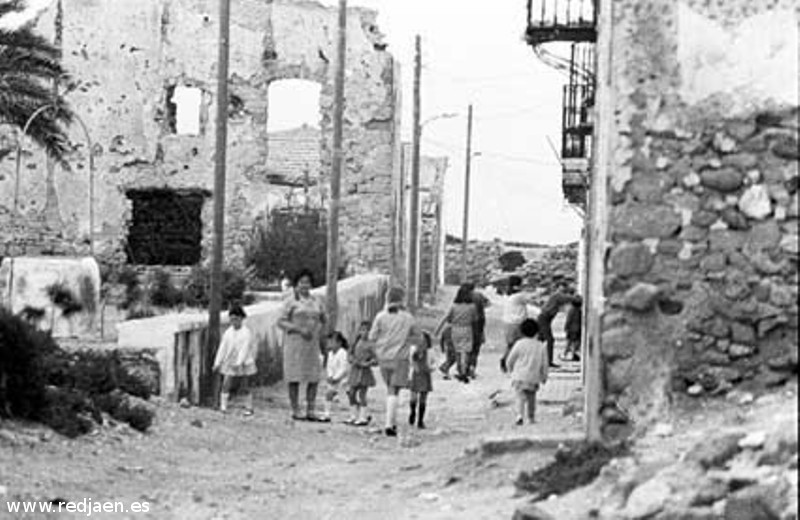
<point x="561" y="20"/>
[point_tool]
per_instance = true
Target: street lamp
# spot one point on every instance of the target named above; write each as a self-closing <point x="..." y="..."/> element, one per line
<point x="414" y="239"/>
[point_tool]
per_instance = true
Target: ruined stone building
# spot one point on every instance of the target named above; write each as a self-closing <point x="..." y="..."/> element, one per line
<point x="692" y="220"/>
<point x="139" y="189"/>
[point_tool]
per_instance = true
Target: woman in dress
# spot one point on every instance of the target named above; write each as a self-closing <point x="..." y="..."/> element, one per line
<point x="462" y="317"/>
<point x="302" y="319"/>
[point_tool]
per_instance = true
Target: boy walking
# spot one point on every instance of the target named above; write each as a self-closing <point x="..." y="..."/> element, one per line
<point x="528" y="364"/>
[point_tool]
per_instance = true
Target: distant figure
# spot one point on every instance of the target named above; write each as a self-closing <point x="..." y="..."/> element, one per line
<point x="420" y="382"/>
<point x="362" y="359"/>
<point x="337" y="370"/>
<point x="572" y="328"/>
<point x="448" y="350"/>
<point x="478" y="329"/>
<point x="514" y="313"/>
<point x="527" y="363"/>
<point x="462" y="317"/>
<point x="236" y="359"/>
<point x="563" y="296"/>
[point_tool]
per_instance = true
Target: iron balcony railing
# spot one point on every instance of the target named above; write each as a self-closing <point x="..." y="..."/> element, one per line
<point x="561" y="20"/>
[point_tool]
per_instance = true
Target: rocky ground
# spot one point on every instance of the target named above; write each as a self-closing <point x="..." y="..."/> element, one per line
<point x="734" y="458"/>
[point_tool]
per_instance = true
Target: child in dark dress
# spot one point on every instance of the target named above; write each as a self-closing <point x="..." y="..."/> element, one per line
<point x="362" y="359"/>
<point x="420" y="381"/>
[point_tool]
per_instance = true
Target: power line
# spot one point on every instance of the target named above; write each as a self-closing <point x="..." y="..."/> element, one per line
<point x="498" y="155"/>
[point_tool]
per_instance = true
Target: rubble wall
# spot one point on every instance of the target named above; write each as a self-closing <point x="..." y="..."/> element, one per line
<point x="701" y="279"/>
<point x="125" y="57"/>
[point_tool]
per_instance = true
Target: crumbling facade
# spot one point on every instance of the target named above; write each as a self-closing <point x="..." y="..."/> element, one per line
<point x="143" y="83"/>
<point x="694" y="200"/>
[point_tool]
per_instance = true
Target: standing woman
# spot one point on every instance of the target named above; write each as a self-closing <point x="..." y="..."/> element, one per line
<point x="393" y="331"/>
<point x="302" y="319"/>
<point x="462" y="317"/>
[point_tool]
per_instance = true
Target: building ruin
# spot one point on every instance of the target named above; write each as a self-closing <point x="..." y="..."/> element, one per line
<point x="140" y="185"/>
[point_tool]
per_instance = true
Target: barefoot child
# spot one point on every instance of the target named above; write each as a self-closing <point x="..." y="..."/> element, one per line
<point x="420" y="381"/>
<point x="528" y="364"/>
<point x="362" y="359"/>
<point x="336" y="370"/>
<point x="236" y="358"/>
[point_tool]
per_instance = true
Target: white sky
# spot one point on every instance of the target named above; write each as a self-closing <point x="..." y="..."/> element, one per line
<point x="474" y="53"/>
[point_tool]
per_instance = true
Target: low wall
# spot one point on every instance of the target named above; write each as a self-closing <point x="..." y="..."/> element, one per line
<point x="179" y="339"/>
<point x="29" y="283"/>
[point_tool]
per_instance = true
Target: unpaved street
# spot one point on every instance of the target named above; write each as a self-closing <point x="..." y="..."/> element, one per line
<point x="200" y="464"/>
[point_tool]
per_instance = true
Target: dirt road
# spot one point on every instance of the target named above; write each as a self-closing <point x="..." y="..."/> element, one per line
<point x="201" y="464"/>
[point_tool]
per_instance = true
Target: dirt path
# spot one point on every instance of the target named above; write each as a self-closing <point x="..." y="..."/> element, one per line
<point x="201" y="464"/>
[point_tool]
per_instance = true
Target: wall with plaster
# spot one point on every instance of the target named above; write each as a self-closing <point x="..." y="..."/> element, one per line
<point x="700" y="283"/>
<point x="127" y="57"/>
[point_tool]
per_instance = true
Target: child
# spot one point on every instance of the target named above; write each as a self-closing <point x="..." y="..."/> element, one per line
<point x="336" y="369"/>
<point x="420" y="381"/>
<point x="528" y="364"/>
<point x="236" y="358"/>
<point x="362" y="359"/>
<point x="572" y="328"/>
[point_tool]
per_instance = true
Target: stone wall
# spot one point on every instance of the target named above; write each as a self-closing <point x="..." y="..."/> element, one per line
<point x="126" y="57"/>
<point x="482" y="261"/>
<point x="701" y="278"/>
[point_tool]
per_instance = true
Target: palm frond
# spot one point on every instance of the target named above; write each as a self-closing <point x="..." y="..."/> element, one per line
<point x="29" y="65"/>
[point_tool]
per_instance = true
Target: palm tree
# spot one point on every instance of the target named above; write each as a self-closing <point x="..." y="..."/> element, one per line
<point x="28" y="66"/>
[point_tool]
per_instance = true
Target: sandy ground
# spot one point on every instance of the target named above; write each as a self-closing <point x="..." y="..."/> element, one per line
<point x="201" y="464"/>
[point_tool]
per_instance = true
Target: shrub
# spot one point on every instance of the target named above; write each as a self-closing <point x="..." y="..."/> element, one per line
<point x="163" y="292"/>
<point x="292" y="239"/>
<point x="129" y="278"/>
<point x="65" y="390"/>
<point x="22" y="380"/>
<point x="197" y="289"/>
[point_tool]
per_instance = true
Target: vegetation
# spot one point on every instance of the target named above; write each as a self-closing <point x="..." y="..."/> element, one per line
<point x="293" y="239"/>
<point x="68" y="391"/>
<point x="511" y="261"/>
<point x="29" y="67"/>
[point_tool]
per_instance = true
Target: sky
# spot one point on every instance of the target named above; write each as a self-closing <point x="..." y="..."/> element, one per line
<point x="474" y="52"/>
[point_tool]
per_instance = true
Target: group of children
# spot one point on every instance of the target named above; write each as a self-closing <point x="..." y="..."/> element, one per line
<point x="349" y="370"/>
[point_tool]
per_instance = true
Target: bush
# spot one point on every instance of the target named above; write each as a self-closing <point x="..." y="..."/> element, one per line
<point x="65" y="390"/>
<point x="293" y="239"/>
<point x="163" y="292"/>
<point x="22" y="380"/>
<point x="129" y="278"/>
<point x="197" y="290"/>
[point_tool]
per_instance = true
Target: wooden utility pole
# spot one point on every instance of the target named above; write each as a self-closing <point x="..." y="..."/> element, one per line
<point x="332" y="276"/>
<point x="465" y="227"/>
<point x="207" y="394"/>
<point x="413" y="232"/>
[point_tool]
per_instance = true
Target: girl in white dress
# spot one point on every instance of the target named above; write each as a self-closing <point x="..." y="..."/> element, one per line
<point x="236" y="358"/>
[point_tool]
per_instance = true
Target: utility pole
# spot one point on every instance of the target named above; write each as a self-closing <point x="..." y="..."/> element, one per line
<point x="413" y="232"/>
<point x="332" y="276"/>
<point x="207" y="395"/>
<point x="465" y="228"/>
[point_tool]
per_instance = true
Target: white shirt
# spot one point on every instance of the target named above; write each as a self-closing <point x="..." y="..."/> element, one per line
<point x="516" y="309"/>
<point x="338" y="364"/>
